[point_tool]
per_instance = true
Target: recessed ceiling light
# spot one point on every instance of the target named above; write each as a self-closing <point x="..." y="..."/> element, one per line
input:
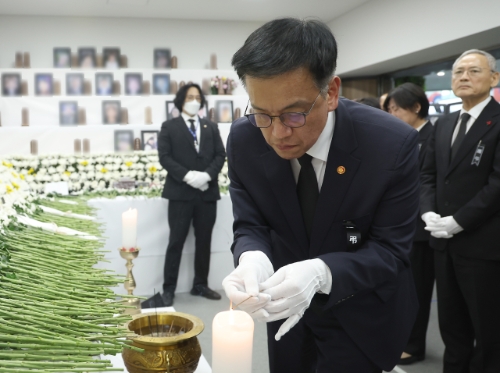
<point x="441" y="73"/>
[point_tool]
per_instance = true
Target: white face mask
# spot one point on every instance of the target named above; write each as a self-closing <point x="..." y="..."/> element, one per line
<point x="191" y="107"/>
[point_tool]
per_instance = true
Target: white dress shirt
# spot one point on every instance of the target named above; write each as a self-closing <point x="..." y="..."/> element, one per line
<point x="196" y="126"/>
<point x="318" y="152"/>
<point x="474" y="114"/>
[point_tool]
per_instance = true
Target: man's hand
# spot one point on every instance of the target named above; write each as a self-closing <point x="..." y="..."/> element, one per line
<point x="253" y="269"/>
<point x="197" y="179"/>
<point x="292" y="288"/>
<point x="430" y="217"/>
<point x="444" y="227"/>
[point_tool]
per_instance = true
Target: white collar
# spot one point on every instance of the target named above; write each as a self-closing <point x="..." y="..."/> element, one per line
<point x="187" y="117"/>
<point x="476" y="110"/>
<point x="321" y="147"/>
<point x="422" y="126"/>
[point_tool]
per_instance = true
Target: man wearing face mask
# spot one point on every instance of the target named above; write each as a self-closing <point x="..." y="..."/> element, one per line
<point x="191" y="150"/>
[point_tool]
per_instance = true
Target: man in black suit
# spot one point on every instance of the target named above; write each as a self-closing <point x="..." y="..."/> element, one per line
<point x="191" y="150"/>
<point x="325" y="198"/>
<point x="460" y="204"/>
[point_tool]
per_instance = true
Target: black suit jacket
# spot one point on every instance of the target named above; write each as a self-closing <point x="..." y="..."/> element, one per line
<point x="178" y="155"/>
<point x="467" y="190"/>
<point x="424" y="136"/>
<point x="373" y="294"/>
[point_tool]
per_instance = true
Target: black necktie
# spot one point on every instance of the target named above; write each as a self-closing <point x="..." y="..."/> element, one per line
<point x="193" y="130"/>
<point x="308" y="191"/>
<point x="460" y="135"/>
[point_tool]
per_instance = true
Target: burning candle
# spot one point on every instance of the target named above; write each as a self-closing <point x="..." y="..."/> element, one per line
<point x="129" y="229"/>
<point x="232" y="340"/>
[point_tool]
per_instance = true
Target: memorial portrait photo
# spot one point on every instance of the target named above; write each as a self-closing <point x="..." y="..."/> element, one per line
<point x="11" y="84"/>
<point x="87" y="58"/>
<point x="124" y="141"/>
<point x="103" y="84"/>
<point x="68" y="113"/>
<point x="44" y="85"/>
<point x="224" y="111"/>
<point x="172" y="111"/>
<point x="74" y="84"/>
<point x="162" y="59"/>
<point x="133" y="84"/>
<point x="149" y="140"/>
<point x="111" y="112"/>
<point x="111" y="58"/>
<point x="161" y="84"/>
<point x="62" y="58"/>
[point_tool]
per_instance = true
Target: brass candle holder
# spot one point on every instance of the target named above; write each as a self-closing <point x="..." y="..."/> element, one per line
<point x="129" y="255"/>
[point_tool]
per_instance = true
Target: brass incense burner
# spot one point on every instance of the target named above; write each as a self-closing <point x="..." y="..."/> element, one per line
<point x="169" y="342"/>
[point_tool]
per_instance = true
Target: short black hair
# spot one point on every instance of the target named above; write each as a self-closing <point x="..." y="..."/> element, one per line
<point x="286" y="44"/>
<point x="369" y="101"/>
<point x="406" y="96"/>
<point x="180" y="97"/>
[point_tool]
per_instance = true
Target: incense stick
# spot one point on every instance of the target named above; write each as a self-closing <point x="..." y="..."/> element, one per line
<point x="156" y="311"/>
<point x="241" y="302"/>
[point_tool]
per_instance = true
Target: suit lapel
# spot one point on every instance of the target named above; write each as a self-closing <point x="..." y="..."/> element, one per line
<point x="445" y="140"/>
<point x="203" y="134"/>
<point x="340" y="171"/>
<point x="280" y="176"/>
<point x="185" y="131"/>
<point x="486" y="120"/>
<point x="423" y="136"/>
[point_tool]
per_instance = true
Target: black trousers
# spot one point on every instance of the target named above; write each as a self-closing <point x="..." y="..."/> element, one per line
<point x="422" y="266"/>
<point x="468" y="293"/>
<point x="315" y="345"/>
<point x="180" y="215"/>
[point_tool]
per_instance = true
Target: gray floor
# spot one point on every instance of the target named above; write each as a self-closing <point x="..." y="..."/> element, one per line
<point x="207" y="309"/>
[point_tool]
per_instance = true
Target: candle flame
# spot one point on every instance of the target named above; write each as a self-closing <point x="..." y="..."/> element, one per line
<point x="230" y="305"/>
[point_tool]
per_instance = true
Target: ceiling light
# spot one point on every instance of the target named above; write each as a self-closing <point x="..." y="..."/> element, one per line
<point x="441" y="73"/>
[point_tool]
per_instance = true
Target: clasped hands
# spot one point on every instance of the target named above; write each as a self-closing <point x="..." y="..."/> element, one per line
<point x="284" y="294"/>
<point x="441" y="227"/>
<point x="198" y="180"/>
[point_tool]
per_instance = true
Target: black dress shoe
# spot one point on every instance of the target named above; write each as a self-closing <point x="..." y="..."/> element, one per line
<point x="168" y="298"/>
<point x="205" y="291"/>
<point x="411" y="359"/>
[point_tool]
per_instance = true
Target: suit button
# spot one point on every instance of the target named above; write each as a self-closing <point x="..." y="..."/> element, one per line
<point x="447" y="181"/>
<point x="447" y="203"/>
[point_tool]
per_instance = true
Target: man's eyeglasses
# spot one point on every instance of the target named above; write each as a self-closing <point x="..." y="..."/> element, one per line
<point x="293" y="120"/>
<point x="472" y="72"/>
<point x="192" y="98"/>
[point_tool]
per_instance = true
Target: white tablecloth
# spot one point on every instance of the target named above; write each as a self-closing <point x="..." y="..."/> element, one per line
<point x="117" y="360"/>
<point x="152" y="239"/>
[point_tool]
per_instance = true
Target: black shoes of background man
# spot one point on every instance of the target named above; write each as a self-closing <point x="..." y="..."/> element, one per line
<point x="205" y="291"/>
<point x="410" y="359"/>
<point x="168" y="298"/>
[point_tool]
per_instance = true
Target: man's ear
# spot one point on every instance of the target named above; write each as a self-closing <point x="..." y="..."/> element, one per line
<point x="333" y="93"/>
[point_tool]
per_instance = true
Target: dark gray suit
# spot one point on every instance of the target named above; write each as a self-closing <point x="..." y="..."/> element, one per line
<point x="178" y="155"/>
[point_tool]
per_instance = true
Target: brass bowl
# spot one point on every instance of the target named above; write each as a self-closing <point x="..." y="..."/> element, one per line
<point x="164" y="351"/>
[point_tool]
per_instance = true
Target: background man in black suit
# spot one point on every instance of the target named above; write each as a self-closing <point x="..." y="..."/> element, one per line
<point x="460" y="204"/>
<point x="325" y="193"/>
<point x="191" y="150"/>
<point x="409" y="103"/>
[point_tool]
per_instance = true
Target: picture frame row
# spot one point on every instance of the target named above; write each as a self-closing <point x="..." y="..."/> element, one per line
<point x="105" y="85"/>
<point x="124" y="140"/>
<point x="112" y="112"/>
<point x="87" y="58"/>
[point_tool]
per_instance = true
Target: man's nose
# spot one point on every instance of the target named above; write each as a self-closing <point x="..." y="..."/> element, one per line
<point x="280" y="131"/>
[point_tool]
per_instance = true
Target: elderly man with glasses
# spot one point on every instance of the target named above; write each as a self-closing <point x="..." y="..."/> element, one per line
<point x="325" y="199"/>
<point x="460" y="204"/>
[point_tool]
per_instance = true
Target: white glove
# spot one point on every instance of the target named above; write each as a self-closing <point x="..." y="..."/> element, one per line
<point x="254" y="268"/>
<point x="197" y="179"/>
<point x="292" y="288"/>
<point x="444" y="227"/>
<point x="430" y="217"/>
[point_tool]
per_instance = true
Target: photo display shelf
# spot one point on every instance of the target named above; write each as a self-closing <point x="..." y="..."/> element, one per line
<point x="57" y="121"/>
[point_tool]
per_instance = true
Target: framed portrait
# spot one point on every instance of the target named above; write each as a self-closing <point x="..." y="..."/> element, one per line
<point x="103" y="84"/>
<point x="172" y="111"/>
<point x="133" y="84"/>
<point x="74" y="84"/>
<point x="203" y="113"/>
<point x="161" y="84"/>
<point x="86" y="58"/>
<point x="11" y="85"/>
<point x="111" y="58"/>
<point x="162" y="59"/>
<point x="44" y="85"/>
<point x="124" y="141"/>
<point x="68" y="113"/>
<point x="111" y="112"/>
<point x="149" y="140"/>
<point x="62" y="58"/>
<point x="224" y="111"/>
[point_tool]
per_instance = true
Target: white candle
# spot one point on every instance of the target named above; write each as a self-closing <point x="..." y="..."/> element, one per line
<point x="232" y="340"/>
<point x="129" y="229"/>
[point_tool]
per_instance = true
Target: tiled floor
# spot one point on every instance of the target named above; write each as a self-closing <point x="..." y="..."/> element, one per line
<point x="207" y="309"/>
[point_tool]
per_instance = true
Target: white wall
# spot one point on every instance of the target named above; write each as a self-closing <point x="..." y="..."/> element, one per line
<point x="385" y="35"/>
<point x="191" y="41"/>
